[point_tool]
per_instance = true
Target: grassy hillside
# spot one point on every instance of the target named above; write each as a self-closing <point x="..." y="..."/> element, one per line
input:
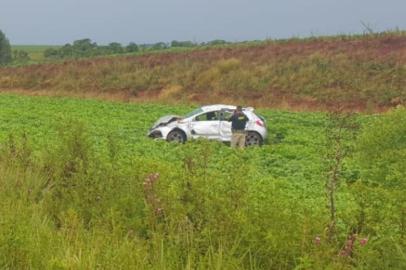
<point x="358" y="72"/>
<point x="81" y="187"/>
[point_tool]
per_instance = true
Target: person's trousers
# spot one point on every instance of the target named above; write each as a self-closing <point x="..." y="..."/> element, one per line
<point x="238" y="139"/>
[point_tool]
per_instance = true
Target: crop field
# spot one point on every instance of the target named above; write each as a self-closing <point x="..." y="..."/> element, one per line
<point x="82" y="187"/>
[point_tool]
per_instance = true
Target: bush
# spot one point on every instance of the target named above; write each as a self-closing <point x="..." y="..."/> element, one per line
<point x="21" y="57"/>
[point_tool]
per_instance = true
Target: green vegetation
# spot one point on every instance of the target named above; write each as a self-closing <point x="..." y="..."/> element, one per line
<point x="35" y="52"/>
<point x="81" y="187"/>
<point x="87" y="48"/>
<point x="5" y="50"/>
<point x="360" y="73"/>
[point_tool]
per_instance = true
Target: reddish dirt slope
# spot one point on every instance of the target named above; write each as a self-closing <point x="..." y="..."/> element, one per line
<point x="355" y="72"/>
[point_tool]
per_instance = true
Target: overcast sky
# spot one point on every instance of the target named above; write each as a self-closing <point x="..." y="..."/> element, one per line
<point x="148" y="21"/>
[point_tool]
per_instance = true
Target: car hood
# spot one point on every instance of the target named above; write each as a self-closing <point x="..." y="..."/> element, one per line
<point x="164" y="120"/>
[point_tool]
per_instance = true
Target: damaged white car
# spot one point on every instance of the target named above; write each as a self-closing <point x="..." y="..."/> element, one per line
<point x="209" y="122"/>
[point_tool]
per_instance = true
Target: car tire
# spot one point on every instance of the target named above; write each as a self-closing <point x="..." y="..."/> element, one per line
<point x="176" y="136"/>
<point x="253" y="139"/>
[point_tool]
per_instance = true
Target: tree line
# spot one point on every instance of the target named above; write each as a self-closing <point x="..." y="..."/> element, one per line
<point x="87" y="48"/>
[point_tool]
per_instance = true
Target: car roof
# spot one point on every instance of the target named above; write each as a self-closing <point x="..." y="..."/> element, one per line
<point x="215" y="107"/>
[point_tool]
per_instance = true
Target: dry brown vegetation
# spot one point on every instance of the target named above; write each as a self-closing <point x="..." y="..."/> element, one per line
<point x="360" y="72"/>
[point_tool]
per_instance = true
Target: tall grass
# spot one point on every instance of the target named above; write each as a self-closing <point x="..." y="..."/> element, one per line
<point x="68" y="206"/>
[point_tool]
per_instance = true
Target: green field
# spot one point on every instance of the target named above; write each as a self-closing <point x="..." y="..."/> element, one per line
<point x="36" y="52"/>
<point x="40" y="118"/>
<point x="82" y="187"/>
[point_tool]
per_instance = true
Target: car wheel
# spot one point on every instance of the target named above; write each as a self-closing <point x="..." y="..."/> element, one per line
<point x="176" y="136"/>
<point x="253" y="138"/>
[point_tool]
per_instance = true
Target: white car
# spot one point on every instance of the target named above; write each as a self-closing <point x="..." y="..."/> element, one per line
<point x="209" y="122"/>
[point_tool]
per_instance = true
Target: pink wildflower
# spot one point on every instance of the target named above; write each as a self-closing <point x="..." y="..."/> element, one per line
<point x="363" y="241"/>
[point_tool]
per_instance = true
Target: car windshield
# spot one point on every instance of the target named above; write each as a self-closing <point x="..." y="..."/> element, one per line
<point x="199" y="110"/>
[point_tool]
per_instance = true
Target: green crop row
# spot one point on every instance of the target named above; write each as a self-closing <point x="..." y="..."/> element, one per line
<point x="82" y="187"/>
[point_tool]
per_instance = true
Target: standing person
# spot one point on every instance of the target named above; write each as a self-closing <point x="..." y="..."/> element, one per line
<point x="238" y="122"/>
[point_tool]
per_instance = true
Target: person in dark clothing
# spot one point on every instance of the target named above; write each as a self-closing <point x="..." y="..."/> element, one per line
<point x="238" y="122"/>
<point x="211" y="116"/>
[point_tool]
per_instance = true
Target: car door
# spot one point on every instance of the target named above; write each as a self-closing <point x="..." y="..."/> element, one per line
<point x="225" y="125"/>
<point x="206" y="125"/>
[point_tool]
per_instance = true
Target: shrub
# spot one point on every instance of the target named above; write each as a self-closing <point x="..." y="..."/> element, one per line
<point x="21" y="57"/>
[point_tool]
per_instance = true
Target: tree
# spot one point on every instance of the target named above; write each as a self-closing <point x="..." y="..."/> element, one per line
<point x="84" y="44"/>
<point x="66" y="51"/>
<point x="83" y="48"/>
<point x="132" y="47"/>
<point x="5" y="49"/>
<point x="176" y="43"/>
<point x="115" y="48"/>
